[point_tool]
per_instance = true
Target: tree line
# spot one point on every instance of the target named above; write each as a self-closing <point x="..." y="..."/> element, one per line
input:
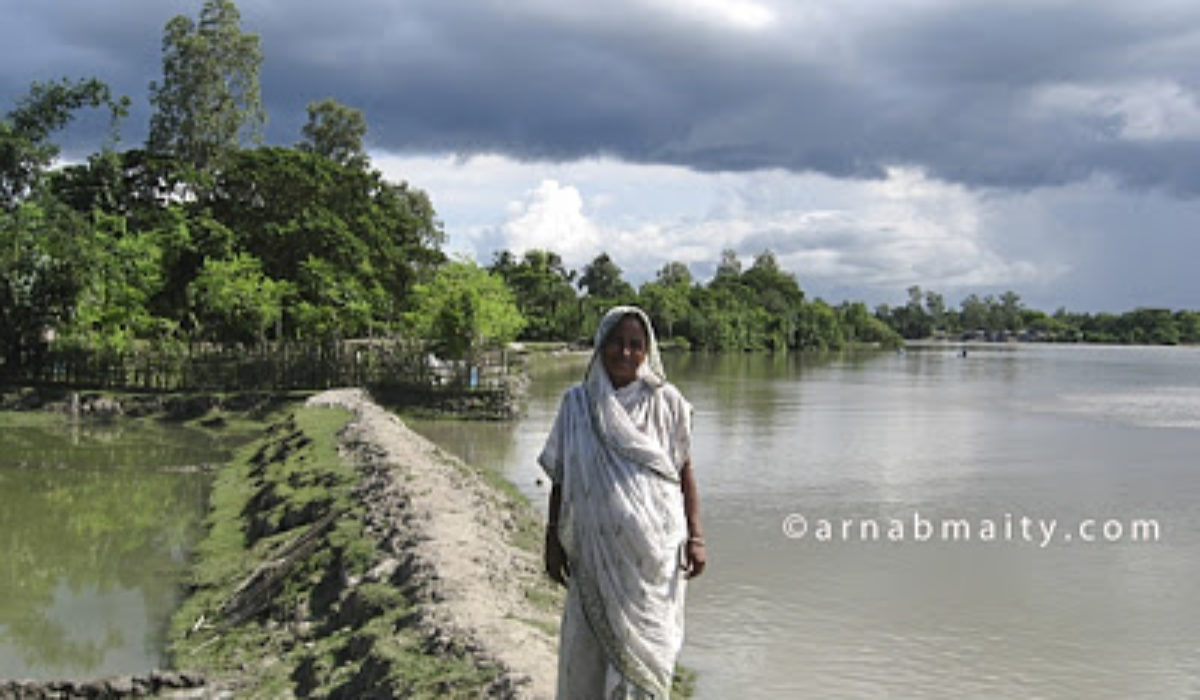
<point x="1005" y="316"/>
<point x="761" y="307"/>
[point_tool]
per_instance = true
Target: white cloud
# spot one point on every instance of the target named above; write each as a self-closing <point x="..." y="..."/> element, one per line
<point x="551" y="217"/>
<point x="739" y="14"/>
<point x="1137" y="111"/>
<point x="877" y="236"/>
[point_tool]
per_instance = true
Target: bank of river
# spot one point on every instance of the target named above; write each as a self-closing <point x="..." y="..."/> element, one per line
<point x="348" y="557"/>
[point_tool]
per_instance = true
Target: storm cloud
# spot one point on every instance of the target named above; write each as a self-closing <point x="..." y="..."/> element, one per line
<point x="965" y="146"/>
<point x="1017" y="94"/>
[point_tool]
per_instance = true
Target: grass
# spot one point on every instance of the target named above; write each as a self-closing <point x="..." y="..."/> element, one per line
<point x="318" y="634"/>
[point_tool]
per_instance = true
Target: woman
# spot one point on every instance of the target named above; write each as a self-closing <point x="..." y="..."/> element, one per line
<point x="624" y="529"/>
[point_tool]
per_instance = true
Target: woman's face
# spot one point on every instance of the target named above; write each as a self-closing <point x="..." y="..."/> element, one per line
<point x="624" y="351"/>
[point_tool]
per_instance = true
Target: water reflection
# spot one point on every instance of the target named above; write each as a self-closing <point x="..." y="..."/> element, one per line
<point x="96" y="522"/>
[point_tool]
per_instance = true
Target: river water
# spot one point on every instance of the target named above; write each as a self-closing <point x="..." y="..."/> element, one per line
<point x="1019" y="522"/>
<point x="96" y="521"/>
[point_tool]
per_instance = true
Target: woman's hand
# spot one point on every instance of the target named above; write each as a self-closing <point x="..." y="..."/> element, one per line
<point x="697" y="557"/>
<point x="556" y="559"/>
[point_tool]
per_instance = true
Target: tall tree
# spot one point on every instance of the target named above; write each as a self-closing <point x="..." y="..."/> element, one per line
<point x="666" y="299"/>
<point x="730" y="266"/>
<point x="602" y="280"/>
<point x="335" y="131"/>
<point x="674" y="273"/>
<point x="543" y="291"/>
<point x="974" y="313"/>
<point x="935" y="305"/>
<point x="208" y="101"/>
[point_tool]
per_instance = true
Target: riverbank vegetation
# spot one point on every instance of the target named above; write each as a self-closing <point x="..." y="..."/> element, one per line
<point x="1005" y="317"/>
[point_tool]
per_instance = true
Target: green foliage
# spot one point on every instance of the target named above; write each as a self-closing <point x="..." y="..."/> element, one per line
<point x="1005" y="316"/>
<point x="291" y="207"/>
<point x="465" y="309"/>
<point x="25" y="151"/>
<point x="350" y="244"/>
<point x="235" y="300"/>
<point x="543" y="292"/>
<point x="601" y="279"/>
<point x="336" y="132"/>
<point x="820" y="328"/>
<point x="208" y="100"/>
<point x="42" y="267"/>
<point x="666" y="299"/>
<point x="124" y="272"/>
<point x="859" y="326"/>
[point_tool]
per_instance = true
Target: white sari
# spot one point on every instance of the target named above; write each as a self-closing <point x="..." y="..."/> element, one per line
<point x="616" y="454"/>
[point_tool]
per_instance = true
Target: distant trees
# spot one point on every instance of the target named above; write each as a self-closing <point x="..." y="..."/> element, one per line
<point x="667" y="298"/>
<point x="1006" y="315"/>
<point x="542" y="287"/>
<point x="465" y="309"/>
<point x="761" y="308"/>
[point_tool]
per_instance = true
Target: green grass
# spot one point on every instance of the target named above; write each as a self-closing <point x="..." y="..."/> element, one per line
<point x="316" y="636"/>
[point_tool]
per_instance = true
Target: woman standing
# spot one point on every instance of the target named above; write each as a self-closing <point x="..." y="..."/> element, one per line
<point x="624" y="530"/>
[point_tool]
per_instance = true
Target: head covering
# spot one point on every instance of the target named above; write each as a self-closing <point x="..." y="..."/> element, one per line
<point x="610" y="418"/>
<point x="651" y="370"/>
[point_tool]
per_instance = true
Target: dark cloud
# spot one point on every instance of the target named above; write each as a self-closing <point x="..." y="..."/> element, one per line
<point x="845" y="90"/>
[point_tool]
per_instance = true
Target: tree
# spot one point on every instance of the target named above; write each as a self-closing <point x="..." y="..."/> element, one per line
<point x="666" y="299"/>
<point x="542" y="288"/>
<point x="41" y="268"/>
<point x="974" y="313"/>
<point x="1010" y="309"/>
<point x="602" y="280"/>
<point x="819" y="328"/>
<point x="335" y="131"/>
<point x="1188" y="323"/>
<point x="935" y="306"/>
<point x="25" y="149"/>
<point x="123" y="273"/>
<point x="858" y="325"/>
<point x="465" y="309"/>
<point x="208" y="101"/>
<point x="674" y="274"/>
<point x="288" y="207"/>
<point x="235" y="300"/>
<point x="730" y="266"/>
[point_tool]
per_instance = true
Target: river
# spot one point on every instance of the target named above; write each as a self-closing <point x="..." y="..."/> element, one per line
<point x="1017" y="522"/>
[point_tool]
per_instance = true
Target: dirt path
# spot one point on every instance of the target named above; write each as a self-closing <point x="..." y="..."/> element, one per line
<point x="439" y="516"/>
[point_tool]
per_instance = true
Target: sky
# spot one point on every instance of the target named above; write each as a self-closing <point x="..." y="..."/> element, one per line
<point x="1050" y="147"/>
